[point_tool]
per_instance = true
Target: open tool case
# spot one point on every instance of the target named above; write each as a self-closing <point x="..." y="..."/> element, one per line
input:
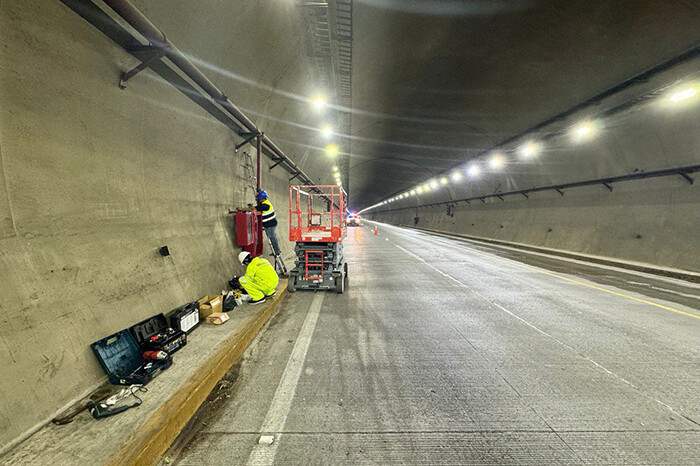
<point x="155" y="334"/>
<point x="122" y="360"/>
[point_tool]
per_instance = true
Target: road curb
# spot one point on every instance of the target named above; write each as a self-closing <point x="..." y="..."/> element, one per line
<point x="671" y="273"/>
<point x="148" y="444"/>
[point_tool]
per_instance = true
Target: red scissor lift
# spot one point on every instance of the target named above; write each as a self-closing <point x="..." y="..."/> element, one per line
<point x="317" y="226"/>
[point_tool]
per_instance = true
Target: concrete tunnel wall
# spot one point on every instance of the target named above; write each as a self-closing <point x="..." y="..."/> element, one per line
<point x="653" y="221"/>
<point x="96" y="179"/>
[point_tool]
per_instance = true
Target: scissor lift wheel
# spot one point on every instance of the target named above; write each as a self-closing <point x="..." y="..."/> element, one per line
<point x="342" y="282"/>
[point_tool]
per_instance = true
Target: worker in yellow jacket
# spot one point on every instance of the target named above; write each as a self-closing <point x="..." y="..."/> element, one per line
<point x="260" y="279"/>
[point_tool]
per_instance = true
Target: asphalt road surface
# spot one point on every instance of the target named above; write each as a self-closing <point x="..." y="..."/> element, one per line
<point x="447" y="352"/>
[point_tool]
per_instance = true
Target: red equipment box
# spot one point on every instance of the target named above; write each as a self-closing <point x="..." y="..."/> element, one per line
<point x="317" y="213"/>
<point x="249" y="232"/>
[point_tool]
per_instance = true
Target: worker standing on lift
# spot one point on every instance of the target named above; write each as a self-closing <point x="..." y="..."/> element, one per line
<point x="269" y="219"/>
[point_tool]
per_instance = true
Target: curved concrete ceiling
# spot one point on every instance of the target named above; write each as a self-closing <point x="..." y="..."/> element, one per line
<point x="435" y="83"/>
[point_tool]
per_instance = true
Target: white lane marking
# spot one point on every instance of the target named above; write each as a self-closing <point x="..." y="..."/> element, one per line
<point x="264" y="454"/>
<point x="558" y="341"/>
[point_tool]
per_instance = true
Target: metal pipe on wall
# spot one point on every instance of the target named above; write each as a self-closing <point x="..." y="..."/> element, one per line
<point x="259" y="147"/>
<point x="127" y="11"/>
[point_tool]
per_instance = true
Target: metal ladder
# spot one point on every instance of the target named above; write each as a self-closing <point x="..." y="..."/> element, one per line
<point x="249" y="171"/>
<point x="280" y="267"/>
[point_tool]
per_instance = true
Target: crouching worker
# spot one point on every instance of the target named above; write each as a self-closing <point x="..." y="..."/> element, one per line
<point x="260" y="279"/>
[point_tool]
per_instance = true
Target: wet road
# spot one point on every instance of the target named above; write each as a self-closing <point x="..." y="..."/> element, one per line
<point x="443" y="351"/>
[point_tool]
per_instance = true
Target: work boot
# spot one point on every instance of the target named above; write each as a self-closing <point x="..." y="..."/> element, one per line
<point x="257" y="301"/>
<point x="271" y="294"/>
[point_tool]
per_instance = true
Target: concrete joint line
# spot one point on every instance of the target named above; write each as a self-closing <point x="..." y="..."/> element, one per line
<point x="6" y="185"/>
<point x="264" y="453"/>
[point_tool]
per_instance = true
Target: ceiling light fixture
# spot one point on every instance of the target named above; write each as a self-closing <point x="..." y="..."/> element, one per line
<point x="583" y="130"/>
<point x="319" y="101"/>
<point x="496" y="160"/>
<point x="331" y="150"/>
<point x="684" y="94"/>
<point x="473" y="170"/>
<point x="529" y="149"/>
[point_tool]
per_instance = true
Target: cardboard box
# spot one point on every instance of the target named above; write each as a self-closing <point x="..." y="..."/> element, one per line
<point x="217" y="318"/>
<point x="209" y="305"/>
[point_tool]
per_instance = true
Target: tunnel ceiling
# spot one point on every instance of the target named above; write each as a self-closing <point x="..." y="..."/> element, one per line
<point x="436" y="82"/>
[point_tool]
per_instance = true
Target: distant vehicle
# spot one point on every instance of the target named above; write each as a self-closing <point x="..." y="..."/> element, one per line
<point x="354" y="220"/>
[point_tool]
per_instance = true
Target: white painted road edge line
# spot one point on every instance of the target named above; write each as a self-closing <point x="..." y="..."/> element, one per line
<point x="264" y="454"/>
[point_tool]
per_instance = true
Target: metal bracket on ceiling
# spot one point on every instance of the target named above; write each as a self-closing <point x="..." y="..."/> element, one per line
<point x="147" y="54"/>
<point x="248" y="137"/>
<point x="559" y="191"/>
<point x="525" y="194"/>
<point x="686" y="176"/>
<point x="500" y="197"/>
<point x="276" y="163"/>
<point x="606" y="185"/>
<point x="482" y="200"/>
<point x="292" y="178"/>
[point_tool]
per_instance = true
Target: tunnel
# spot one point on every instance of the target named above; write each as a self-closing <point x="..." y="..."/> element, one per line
<point x="350" y="232"/>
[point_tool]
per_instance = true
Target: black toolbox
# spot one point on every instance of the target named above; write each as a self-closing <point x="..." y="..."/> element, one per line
<point x="123" y="361"/>
<point x="154" y="334"/>
<point x="185" y="318"/>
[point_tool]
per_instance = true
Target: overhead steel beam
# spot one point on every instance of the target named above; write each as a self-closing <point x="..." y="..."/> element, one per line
<point x="241" y="124"/>
<point x="607" y="182"/>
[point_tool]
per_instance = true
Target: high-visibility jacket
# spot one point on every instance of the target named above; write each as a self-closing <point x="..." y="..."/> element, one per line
<point x="269" y="218"/>
<point x="261" y="275"/>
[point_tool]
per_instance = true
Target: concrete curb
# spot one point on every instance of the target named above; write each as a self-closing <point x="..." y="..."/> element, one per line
<point x="148" y="444"/>
<point x="672" y="273"/>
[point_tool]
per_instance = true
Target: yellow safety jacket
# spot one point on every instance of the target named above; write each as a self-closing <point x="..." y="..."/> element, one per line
<point x="260" y="274"/>
<point x="269" y="218"/>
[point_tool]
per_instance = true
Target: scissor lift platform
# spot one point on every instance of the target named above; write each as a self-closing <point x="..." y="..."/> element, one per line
<point x="317" y="226"/>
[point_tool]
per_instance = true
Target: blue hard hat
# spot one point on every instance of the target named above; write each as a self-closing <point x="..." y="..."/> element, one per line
<point x="261" y="195"/>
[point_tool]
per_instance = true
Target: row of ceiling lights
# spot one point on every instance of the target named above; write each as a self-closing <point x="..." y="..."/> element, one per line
<point x="527" y="150"/>
<point x="319" y="103"/>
